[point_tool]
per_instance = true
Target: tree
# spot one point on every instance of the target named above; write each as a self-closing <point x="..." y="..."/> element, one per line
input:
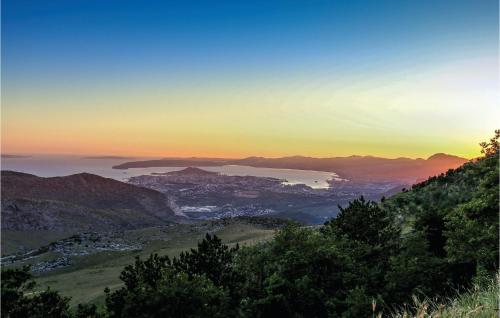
<point x="196" y="284"/>
<point x="365" y="221"/>
<point x="211" y="258"/>
<point x="298" y="274"/>
<point x="471" y="228"/>
<point x="414" y="270"/>
<point x="490" y="148"/>
<point x="20" y="300"/>
<point x="87" y="311"/>
<point x="173" y="294"/>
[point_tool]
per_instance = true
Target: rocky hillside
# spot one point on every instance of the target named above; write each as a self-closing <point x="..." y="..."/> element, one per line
<point x="78" y="202"/>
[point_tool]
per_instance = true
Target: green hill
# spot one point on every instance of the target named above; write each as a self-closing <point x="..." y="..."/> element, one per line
<point x="473" y="183"/>
<point x="457" y="212"/>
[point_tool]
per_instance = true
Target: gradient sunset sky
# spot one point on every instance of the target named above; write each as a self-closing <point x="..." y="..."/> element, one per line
<point x="240" y="78"/>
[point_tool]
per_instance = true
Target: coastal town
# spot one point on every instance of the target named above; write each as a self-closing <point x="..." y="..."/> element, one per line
<point x="200" y="194"/>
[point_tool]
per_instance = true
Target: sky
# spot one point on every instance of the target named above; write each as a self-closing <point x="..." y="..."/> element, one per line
<point x="243" y="78"/>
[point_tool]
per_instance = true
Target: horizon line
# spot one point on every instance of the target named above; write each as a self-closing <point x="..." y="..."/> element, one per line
<point x="160" y="157"/>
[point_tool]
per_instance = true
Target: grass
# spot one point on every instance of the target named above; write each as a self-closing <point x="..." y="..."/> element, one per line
<point x="86" y="279"/>
<point x="478" y="302"/>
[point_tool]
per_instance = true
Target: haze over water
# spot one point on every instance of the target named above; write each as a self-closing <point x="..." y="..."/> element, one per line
<point x="52" y="166"/>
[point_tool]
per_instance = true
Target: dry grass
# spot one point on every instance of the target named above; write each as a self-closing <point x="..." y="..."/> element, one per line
<point x="476" y="302"/>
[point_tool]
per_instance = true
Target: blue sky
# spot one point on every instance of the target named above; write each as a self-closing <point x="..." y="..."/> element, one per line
<point x="52" y="50"/>
<point x="195" y="38"/>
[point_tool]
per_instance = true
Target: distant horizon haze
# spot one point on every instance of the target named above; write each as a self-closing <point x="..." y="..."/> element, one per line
<point x="129" y="157"/>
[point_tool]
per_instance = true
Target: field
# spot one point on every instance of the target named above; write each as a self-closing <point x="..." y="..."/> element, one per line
<point x="85" y="279"/>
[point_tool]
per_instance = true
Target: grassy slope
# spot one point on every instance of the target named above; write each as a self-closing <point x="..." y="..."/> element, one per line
<point x="477" y="302"/>
<point x="85" y="281"/>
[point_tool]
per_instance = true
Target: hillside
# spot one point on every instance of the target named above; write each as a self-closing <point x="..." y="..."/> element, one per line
<point x="435" y="239"/>
<point x="474" y="185"/>
<point x="354" y="168"/>
<point x="77" y="203"/>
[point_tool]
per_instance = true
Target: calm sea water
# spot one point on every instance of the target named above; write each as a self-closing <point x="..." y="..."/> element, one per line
<point x="51" y="166"/>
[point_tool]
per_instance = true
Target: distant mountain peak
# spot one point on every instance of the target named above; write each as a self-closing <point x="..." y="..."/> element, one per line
<point x="444" y="156"/>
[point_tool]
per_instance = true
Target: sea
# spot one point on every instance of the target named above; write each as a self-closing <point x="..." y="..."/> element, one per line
<point x="63" y="165"/>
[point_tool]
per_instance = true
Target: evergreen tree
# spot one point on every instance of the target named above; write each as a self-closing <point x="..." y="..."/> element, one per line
<point x="21" y="300"/>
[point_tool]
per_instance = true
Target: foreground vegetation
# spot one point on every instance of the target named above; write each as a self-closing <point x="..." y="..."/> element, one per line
<point x="481" y="301"/>
<point x="434" y="240"/>
<point x="85" y="278"/>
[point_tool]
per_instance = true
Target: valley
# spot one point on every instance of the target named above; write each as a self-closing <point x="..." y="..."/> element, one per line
<point x="81" y="266"/>
<point x="83" y="228"/>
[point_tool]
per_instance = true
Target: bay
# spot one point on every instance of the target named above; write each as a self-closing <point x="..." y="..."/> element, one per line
<point x="63" y="165"/>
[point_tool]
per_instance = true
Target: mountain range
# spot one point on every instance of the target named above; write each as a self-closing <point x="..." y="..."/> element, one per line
<point x="87" y="202"/>
<point x="354" y="168"/>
